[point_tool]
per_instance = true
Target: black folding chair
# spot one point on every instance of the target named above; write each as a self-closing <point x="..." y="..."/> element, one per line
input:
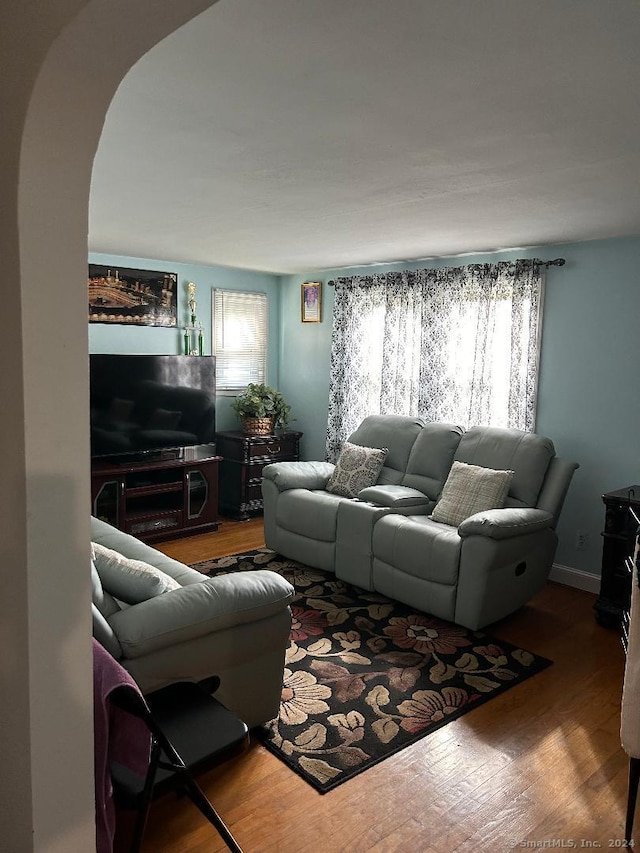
<point x="190" y="732"/>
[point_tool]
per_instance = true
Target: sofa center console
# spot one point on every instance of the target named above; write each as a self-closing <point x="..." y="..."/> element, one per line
<point x="161" y="499"/>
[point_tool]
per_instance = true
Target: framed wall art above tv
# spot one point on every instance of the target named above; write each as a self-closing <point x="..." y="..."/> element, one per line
<point x="135" y="297"/>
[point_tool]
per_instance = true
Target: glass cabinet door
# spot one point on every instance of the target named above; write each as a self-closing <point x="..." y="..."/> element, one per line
<point x="107" y="502"/>
<point x="197" y="494"/>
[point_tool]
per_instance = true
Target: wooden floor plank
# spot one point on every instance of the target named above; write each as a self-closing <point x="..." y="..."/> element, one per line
<point x="542" y="762"/>
<point x="232" y="537"/>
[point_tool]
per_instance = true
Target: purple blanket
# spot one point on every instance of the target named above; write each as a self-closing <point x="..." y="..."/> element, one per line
<point x="118" y="737"/>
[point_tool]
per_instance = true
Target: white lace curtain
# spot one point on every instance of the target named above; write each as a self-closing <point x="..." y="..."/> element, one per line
<point x="459" y="344"/>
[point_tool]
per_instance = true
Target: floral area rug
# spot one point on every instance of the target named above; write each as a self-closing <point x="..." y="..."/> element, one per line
<point x="366" y="676"/>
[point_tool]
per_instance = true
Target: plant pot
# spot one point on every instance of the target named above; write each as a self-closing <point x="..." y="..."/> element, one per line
<point x="258" y="426"/>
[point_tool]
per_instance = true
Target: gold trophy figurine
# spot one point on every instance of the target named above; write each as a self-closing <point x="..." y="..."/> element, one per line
<point x="191" y="289"/>
<point x="194" y="328"/>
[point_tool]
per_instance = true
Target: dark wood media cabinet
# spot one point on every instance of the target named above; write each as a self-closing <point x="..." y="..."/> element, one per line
<point x="163" y="499"/>
<point x="243" y="458"/>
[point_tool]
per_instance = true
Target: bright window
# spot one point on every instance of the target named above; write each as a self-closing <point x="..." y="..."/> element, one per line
<point x="456" y="344"/>
<point x="240" y="329"/>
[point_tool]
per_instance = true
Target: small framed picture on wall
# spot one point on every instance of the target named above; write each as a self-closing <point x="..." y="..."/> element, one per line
<point x="311" y="301"/>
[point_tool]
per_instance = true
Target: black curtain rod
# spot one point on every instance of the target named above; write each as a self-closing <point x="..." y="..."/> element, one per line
<point x="556" y="262"/>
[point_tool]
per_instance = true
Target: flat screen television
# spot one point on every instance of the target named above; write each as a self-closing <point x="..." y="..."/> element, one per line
<point x="146" y="407"/>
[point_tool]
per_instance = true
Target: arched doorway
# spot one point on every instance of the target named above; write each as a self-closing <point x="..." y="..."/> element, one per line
<point x="63" y="61"/>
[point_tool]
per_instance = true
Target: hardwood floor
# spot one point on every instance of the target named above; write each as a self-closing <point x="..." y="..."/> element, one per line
<point x="541" y="763"/>
<point x="232" y="537"/>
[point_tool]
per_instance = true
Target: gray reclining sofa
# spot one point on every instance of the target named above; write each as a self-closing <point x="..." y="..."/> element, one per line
<point x="386" y="539"/>
<point x="234" y="626"/>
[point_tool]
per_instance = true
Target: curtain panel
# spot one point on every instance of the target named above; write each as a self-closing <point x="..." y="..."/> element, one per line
<point x="458" y="344"/>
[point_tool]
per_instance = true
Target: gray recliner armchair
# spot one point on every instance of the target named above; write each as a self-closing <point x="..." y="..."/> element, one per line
<point x="181" y="625"/>
<point x="386" y="539"/>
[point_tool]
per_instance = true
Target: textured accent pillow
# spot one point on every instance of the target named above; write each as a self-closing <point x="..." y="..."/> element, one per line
<point x="357" y="467"/>
<point x="132" y="581"/>
<point x="470" y="489"/>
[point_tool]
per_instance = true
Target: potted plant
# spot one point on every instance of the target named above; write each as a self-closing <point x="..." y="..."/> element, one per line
<point x="261" y="409"/>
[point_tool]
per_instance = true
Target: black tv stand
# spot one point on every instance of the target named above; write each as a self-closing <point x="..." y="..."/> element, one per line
<point x="158" y="499"/>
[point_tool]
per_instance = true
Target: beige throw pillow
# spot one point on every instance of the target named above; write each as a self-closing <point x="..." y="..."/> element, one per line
<point x="131" y="581"/>
<point x="470" y="489"/>
<point x="357" y="467"/>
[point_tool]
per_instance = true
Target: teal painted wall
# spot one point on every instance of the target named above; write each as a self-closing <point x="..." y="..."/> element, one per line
<point x="114" y="338"/>
<point x="589" y="399"/>
<point x="589" y="392"/>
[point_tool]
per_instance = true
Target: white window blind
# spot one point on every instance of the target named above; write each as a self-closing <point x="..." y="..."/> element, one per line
<point x="240" y="325"/>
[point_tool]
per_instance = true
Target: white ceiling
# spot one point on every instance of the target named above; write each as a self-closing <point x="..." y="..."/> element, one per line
<point x="298" y="135"/>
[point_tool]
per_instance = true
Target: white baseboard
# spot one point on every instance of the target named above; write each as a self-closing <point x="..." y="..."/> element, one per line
<point x="575" y="578"/>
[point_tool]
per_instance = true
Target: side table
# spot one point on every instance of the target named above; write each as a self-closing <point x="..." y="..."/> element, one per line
<point x="622" y="511"/>
<point x="243" y="458"/>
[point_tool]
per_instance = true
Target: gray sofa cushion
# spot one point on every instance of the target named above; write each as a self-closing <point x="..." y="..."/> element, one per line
<point x="418" y="546"/>
<point x="526" y="454"/>
<point x="431" y="457"/>
<point x="395" y="432"/>
<point x="311" y="514"/>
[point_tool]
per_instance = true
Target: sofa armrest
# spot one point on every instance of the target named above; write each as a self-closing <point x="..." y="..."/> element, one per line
<point x="199" y="609"/>
<point x="505" y="523"/>
<point x="298" y="475"/>
<point x="555" y="486"/>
